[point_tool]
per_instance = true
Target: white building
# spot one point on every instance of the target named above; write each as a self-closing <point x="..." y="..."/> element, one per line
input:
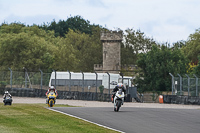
<point x="63" y="78"/>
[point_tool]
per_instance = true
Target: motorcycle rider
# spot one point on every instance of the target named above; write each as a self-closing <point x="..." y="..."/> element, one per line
<point x="6" y="94"/>
<point x="51" y="89"/>
<point x="119" y="86"/>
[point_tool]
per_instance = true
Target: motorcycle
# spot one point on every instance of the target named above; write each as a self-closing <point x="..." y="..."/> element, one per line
<point x="118" y="100"/>
<point x="7" y="100"/>
<point x="51" y="99"/>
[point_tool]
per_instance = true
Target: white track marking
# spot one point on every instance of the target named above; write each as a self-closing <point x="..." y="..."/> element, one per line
<point x="86" y="120"/>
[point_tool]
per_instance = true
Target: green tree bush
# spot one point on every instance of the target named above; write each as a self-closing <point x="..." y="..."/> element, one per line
<point x="101" y="88"/>
<point x="155" y="68"/>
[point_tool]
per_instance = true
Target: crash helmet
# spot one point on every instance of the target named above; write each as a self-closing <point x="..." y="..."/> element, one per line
<point x="52" y="88"/>
<point x="6" y="92"/>
<point x="119" y="85"/>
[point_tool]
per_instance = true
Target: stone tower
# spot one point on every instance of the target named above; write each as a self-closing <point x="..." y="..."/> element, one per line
<point x="111" y="51"/>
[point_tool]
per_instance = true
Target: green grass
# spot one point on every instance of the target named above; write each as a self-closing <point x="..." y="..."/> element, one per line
<point x="35" y="118"/>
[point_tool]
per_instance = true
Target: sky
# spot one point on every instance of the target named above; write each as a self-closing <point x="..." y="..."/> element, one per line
<point x="163" y="20"/>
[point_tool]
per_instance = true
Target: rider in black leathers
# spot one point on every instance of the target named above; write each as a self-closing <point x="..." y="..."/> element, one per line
<point x="119" y="86"/>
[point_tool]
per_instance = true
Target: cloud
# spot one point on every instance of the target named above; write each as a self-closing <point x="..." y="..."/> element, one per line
<point x="30" y="20"/>
<point x="96" y="3"/>
<point x="164" y="33"/>
<point x="166" y="20"/>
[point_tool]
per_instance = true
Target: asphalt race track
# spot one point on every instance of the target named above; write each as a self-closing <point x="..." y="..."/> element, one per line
<point x="140" y="120"/>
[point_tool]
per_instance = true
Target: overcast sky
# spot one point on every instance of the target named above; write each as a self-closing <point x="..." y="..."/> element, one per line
<point x="164" y="20"/>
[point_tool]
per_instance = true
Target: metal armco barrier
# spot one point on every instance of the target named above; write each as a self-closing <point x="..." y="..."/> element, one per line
<point x="75" y="95"/>
<point x="181" y="99"/>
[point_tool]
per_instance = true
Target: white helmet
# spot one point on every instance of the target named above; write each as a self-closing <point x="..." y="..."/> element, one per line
<point x="6" y="92"/>
<point x="52" y="87"/>
<point x="119" y="85"/>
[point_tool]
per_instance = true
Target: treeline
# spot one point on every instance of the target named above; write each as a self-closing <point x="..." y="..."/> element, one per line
<point x="75" y="45"/>
<point x="60" y="46"/>
<point x="182" y="58"/>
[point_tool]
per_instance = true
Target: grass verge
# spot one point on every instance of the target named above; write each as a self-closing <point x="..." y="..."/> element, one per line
<point x="35" y="118"/>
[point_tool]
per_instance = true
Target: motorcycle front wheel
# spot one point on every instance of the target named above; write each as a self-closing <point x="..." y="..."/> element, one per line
<point x="118" y="104"/>
<point x="7" y="103"/>
<point x="115" y="109"/>
<point x="51" y="103"/>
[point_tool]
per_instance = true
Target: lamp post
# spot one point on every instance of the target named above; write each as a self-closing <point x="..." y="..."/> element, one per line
<point x="108" y="83"/>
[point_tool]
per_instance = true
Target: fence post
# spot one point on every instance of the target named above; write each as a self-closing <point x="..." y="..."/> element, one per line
<point x="82" y="81"/>
<point x="55" y="78"/>
<point x="108" y="83"/>
<point x="25" y="71"/>
<point x="188" y="84"/>
<point x="172" y="82"/>
<point x="41" y="79"/>
<point x="128" y="86"/>
<point x="196" y="84"/>
<point x="180" y="84"/>
<point x="96" y="83"/>
<point x="121" y="74"/>
<point x="69" y="80"/>
<point x="10" y="77"/>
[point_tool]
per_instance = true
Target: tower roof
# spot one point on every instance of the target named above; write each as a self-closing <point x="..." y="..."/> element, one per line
<point x="111" y="36"/>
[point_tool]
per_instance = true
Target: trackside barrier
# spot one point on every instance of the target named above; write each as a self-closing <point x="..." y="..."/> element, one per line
<point x="173" y="99"/>
<point x="76" y="95"/>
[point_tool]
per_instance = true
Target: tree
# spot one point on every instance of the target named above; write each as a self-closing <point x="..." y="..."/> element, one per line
<point x="135" y="43"/>
<point x="80" y="24"/>
<point x="127" y="54"/>
<point x="156" y="65"/>
<point x="192" y="48"/>
<point x="26" y="47"/>
<point x="179" y="44"/>
<point x="11" y="28"/>
<point x="35" y="48"/>
<point x="66" y="55"/>
<point x="76" y="23"/>
<point x="85" y="51"/>
<point x="196" y="70"/>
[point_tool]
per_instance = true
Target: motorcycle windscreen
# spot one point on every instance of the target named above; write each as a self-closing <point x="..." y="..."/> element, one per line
<point x="51" y="93"/>
<point x="51" y="97"/>
<point x="120" y="92"/>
